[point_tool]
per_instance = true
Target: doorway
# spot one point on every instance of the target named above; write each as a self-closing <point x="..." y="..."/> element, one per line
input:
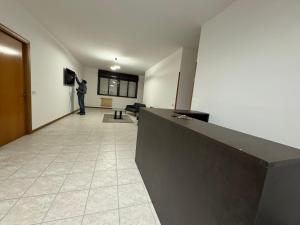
<point x="15" y="98"/>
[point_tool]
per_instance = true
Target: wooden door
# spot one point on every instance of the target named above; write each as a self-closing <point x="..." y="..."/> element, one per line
<point x="12" y="89"/>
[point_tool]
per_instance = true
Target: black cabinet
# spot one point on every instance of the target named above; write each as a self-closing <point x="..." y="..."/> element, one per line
<point x="198" y="173"/>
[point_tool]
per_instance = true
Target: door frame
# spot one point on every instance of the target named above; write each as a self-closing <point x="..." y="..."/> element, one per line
<point x="27" y="75"/>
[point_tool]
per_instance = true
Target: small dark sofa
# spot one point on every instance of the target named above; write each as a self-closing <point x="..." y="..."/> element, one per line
<point x="135" y="108"/>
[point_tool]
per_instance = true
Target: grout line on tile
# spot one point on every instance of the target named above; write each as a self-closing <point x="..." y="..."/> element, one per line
<point x="23" y="194"/>
<point x="119" y="217"/>
<point x="45" y="215"/>
<point x="86" y="202"/>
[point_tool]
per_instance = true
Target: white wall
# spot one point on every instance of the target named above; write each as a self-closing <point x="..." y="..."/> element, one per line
<point x="50" y="99"/>
<point x="187" y="76"/>
<point x="93" y="99"/>
<point x="161" y="82"/>
<point x="248" y="74"/>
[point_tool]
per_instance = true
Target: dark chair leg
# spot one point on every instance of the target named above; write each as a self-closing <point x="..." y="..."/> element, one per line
<point x="121" y="115"/>
<point x="115" y="117"/>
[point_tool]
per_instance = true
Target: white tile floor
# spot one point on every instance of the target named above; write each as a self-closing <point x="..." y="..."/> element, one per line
<point x="76" y="171"/>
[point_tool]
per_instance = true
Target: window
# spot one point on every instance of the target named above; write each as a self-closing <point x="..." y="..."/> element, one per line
<point x="117" y="84"/>
<point x="113" y="87"/>
<point x="131" y="89"/>
<point x="104" y="86"/>
<point x="123" y="88"/>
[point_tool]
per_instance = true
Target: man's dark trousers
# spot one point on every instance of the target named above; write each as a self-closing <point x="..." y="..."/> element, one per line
<point x="81" y="103"/>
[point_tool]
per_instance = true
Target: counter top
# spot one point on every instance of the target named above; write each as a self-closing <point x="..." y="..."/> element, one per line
<point x="269" y="152"/>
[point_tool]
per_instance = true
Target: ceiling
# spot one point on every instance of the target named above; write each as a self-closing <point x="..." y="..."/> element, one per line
<point x="138" y="32"/>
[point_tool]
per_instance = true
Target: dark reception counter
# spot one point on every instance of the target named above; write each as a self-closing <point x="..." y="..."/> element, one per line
<point x="198" y="173"/>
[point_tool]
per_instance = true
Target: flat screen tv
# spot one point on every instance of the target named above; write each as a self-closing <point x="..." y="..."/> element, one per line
<point x="69" y="77"/>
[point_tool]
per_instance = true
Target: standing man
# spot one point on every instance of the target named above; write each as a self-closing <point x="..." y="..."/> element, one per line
<point x="81" y="91"/>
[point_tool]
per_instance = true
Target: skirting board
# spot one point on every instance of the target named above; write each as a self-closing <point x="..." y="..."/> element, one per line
<point x="97" y="107"/>
<point x="53" y="121"/>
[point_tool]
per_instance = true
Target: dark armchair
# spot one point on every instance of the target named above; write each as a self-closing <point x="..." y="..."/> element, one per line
<point x="135" y="108"/>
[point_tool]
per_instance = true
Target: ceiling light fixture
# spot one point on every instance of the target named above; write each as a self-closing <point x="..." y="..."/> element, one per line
<point x="115" y="67"/>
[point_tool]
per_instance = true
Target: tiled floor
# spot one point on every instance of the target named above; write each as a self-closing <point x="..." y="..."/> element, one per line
<point x="76" y="171"/>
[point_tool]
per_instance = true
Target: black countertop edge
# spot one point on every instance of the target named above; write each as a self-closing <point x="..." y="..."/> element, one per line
<point x="272" y="153"/>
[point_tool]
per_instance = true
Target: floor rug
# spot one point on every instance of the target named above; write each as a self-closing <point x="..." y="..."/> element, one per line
<point x="109" y="118"/>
